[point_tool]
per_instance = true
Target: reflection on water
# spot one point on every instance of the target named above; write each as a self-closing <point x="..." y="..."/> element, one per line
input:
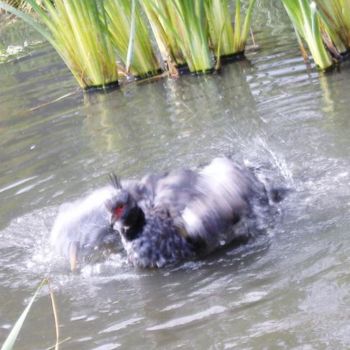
<point x="287" y="290"/>
<point x="168" y="121"/>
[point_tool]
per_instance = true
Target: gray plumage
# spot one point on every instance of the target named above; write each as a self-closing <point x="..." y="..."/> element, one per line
<point x="188" y="213"/>
<point x="163" y="219"/>
<point x="84" y="223"/>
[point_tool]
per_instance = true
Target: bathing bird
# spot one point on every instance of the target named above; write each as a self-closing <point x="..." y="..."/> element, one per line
<point x="82" y="231"/>
<point x="186" y="214"/>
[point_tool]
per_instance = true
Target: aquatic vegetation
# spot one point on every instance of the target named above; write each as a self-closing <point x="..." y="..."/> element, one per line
<point x="12" y="337"/>
<point x="187" y="33"/>
<point x="77" y="30"/>
<point x="180" y="29"/>
<point x="16" y="329"/>
<point x="336" y="16"/>
<point x="307" y="23"/>
<point x="228" y="36"/>
<point x="324" y="25"/>
<point x="122" y="22"/>
<point x="163" y="18"/>
<point x="192" y="35"/>
<point x="17" y="4"/>
<point x="183" y="35"/>
<point x="92" y="36"/>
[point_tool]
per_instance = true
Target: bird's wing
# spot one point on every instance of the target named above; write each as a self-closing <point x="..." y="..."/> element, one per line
<point x="223" y="189"/>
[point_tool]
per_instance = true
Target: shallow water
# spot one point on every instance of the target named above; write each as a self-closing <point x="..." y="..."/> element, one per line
<point x="288" y="290"/>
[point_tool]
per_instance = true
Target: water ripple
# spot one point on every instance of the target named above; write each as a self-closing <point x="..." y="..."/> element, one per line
<point x="185" y="320"/>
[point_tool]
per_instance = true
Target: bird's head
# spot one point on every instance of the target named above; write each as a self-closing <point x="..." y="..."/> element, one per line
<point x="126" y="216"/>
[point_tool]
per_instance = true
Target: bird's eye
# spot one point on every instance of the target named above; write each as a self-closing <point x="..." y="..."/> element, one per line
<point x="118" y="211"/>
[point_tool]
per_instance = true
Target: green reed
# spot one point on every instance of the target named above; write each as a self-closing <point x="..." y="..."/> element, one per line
<point x="191" y="32"/>
<point x="307" y="23"/>
<point x="163" y="18"/>
<point x="180" y="28"/>
<point x="228" y="36"/>
<point x="17" y="327"/>
<point x="77" y="30"/>
<point x="89" y="35"/>
<point x="130" y="33"/>
<point x="336" y="16"/>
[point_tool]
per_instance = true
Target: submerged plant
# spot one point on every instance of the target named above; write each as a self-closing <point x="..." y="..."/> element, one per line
<point x="306" y="21"/>
<point x="77" y="30"/>
<point x="126" y="26"/>
<point x="226" y="38"/>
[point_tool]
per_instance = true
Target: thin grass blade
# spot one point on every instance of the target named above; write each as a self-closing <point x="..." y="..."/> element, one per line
<point x="129" y="55"/>
<point x="12" y="337"/>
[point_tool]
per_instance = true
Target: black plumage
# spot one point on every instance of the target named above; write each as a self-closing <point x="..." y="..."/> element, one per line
<point x="185" y="213"/>
<point x="163" y="219"/>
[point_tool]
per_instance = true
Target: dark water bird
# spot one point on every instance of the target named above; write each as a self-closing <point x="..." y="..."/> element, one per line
<point x="186" y="214"/>
<point x="164" y="219"/>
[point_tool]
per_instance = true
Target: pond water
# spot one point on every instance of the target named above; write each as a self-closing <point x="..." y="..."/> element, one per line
<point x="288" y="290"/>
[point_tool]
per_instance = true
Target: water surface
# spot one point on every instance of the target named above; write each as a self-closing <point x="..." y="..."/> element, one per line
<point x="288" y="290"/>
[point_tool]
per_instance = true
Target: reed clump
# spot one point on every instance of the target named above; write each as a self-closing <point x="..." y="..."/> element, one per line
<point x="163" y="20"/>
<point x="77" y="30"/>
<point x="228" y="34"/>
<point x="180" y="29"/>
<point x="336" y="18"/>
<point x="91" y="36"/>
<point x="324" y="26"/>
<point x="128" y="31"/>
<point x="307" y="24"/>
<point x="193" y="33"/>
